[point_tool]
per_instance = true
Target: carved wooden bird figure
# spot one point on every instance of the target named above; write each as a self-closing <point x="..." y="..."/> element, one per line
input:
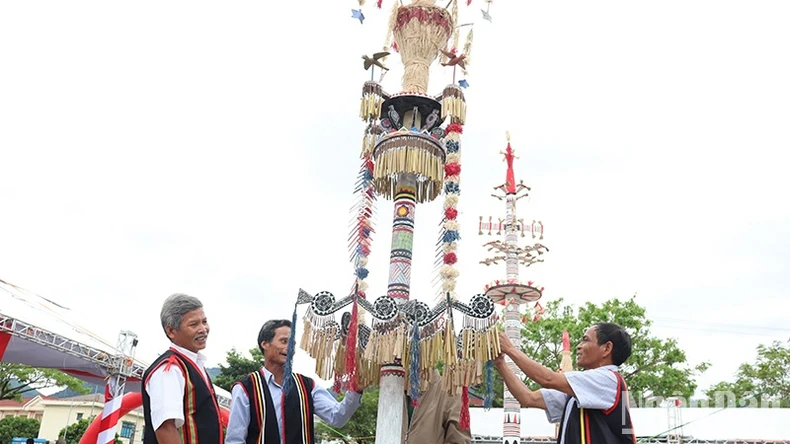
<point x="454" y="59"/>
<point x="371" y="61"/>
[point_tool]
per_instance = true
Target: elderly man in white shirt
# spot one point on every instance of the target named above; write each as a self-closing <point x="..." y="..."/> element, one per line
<point x="277" y="418"/>
<point x="179" y="403"/>
<point x="592" y="405"/>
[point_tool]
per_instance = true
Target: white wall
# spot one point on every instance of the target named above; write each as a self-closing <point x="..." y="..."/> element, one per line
<point x="703" y="423"/>
<point x="59" y="414"/>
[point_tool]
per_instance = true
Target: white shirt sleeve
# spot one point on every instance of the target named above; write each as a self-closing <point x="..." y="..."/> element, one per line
<point x="555" y="402"/>
<point x="594" y="389"/>
<point x="166" y="390"/>
<point x="239" y="418"/>
<point x="334" y="413"/>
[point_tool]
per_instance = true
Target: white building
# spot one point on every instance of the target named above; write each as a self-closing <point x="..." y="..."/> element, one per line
<point x="59" y="413"/>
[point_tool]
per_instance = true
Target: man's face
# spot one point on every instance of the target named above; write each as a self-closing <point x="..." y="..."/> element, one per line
<point x="588" y="353"/>
<point x="192" y="333"/>
<point x="275" y="351"/>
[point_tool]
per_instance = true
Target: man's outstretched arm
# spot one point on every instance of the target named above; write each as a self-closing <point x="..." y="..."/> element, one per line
<point x="334" y="413"/>
<point x="534" y="371"/>
<point x="525" y="396"/>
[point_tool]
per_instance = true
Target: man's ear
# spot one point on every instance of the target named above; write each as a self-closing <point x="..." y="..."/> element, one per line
<point x="607" y="348"/>
<point x="170" y="331"/>
<point x="264" y="345"/>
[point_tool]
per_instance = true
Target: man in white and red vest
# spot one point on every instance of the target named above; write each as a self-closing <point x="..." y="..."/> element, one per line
<point x="591" y="405"/>
<point x="179" y="403"/>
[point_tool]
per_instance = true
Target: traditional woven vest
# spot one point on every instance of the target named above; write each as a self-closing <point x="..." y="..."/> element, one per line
<point x="297" y="411"/>
<point x="594" y="426"/>
<point x="201" y="411"/>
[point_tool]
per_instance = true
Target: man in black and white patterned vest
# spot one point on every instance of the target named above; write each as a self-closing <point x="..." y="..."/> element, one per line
<point x="591" y="405"/>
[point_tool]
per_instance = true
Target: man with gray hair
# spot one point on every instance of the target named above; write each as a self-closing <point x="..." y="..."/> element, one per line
<point x="179" y="403"/>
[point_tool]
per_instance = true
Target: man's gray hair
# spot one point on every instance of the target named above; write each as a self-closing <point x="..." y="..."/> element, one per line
<point x="175" y="307"/>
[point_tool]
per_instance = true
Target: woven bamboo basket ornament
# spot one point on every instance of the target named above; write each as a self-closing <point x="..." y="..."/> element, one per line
<point x="421" y="30"/>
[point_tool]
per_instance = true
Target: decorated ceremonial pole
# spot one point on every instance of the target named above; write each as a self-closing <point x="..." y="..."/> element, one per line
<point x="410" y="155"/>
<point x="511" y="292"/>
<point x="409" y="168"/>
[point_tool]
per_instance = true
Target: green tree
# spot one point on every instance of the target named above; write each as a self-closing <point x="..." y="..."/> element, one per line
<point x="361" y="428"/>
<point x="766" y="380"/>
<point x="73" y="432"/>
<point x="238" y="366"/>
<point x="18" y="427"/>
<point x="31" y="378"/>
<point x="657" y="367"/>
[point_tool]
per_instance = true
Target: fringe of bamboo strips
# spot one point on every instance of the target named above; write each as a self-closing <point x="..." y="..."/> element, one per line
<point x="454" y="107"/>
<point x="463" y="374"/>
<point x="408" y="160"/>
<point x="480" y="346"/>
<point x="340" y="358"/>
<point x="307" y="330"/>
<point x="465" y="370"/>
<point x="384" y="348"/>
<point x="368" y="373"/>
<point x="319" y="344"/>
<point x="449" y="348"/>
<point x="370" y="106"/>
<point x="368" y="142"/>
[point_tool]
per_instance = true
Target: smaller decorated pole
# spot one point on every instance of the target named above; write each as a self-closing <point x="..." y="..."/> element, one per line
<point x="566" y="365"/>
<point x="511" y="292"/>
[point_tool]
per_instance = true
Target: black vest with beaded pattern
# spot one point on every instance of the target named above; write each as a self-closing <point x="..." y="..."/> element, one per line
<point x="594" y="426"/>
<point x="297" y="411"/>
<point x="202" y="423"/>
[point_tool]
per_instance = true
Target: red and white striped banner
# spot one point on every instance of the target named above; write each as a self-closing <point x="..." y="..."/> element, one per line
<point x="109" y="417"/>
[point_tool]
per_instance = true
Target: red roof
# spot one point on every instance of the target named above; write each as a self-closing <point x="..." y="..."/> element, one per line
<point x="14" y="402"/>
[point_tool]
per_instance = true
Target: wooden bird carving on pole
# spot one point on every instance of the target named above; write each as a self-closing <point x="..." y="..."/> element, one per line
<point x="454" y="60"/>
<point x="373" y="61"/>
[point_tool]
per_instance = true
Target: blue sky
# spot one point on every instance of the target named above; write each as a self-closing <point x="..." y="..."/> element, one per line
<point x="212" y="149"/>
